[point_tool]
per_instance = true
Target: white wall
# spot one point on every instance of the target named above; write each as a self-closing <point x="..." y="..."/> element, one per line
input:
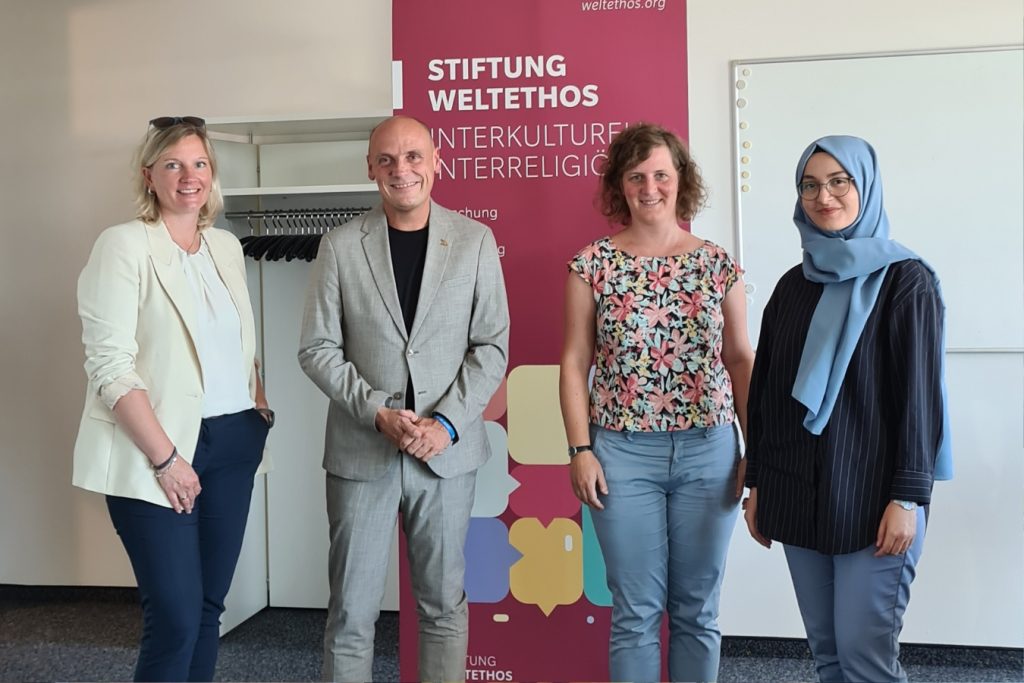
<point x="78" y="80"/>
<point x="726" y="30"/>
<point x="721" y="32"/>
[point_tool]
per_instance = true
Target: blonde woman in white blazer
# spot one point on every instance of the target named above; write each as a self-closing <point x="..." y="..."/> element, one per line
<point x="175" y="417"/>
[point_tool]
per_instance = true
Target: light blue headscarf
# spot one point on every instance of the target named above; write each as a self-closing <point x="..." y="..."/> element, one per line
<point x="852" y="264"/>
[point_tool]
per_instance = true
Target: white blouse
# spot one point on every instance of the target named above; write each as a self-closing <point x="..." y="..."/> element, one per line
<point x="225" y="381"/>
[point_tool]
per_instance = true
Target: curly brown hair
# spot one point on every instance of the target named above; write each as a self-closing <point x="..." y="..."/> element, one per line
<point x="633" y="146"/>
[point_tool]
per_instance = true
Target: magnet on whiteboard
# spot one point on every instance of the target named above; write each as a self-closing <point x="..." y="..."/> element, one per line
<point x="747" y="145"/>
<point x="745" y="174"/>
<point x="741" y="103"/>
<point x="740" y="85"/>
<point x="745" y="160"/>
<point x="746" y="72"/>
<point x="749" y="287"/>
<point x="745" y="188"/>
<point x="744" y="125"/>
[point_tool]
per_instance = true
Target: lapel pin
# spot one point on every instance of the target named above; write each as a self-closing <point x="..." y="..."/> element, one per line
<point x="444" y="243"/>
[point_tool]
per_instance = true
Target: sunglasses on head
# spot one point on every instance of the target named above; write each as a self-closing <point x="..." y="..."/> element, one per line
<point x="162" y="122"/>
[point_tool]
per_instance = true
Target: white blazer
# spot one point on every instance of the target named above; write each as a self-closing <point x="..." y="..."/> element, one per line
<point x="138" y="325"/>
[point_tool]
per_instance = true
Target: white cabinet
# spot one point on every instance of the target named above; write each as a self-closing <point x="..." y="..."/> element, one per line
<point x="274" y="157"/>
<point x="292" y="164"/>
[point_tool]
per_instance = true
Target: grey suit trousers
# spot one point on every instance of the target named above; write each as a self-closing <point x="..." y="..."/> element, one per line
<point x="435" y="515"/>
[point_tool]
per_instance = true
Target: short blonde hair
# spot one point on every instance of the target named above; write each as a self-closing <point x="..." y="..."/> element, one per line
<point x="155" y="143"/>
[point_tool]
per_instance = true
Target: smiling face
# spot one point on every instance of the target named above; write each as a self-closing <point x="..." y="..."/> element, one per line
<point x="181" y="177"/>
<point x="651" y="188"/>
<point x="403" y="162"/>
<point x="825" y="211"/>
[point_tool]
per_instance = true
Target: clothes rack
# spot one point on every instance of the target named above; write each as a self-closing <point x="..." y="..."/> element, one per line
<point x="289" y="234"/>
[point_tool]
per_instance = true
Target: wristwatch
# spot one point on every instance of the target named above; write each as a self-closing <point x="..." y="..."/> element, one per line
<point x="576" y="450"/>
<point x="906" y="504"/>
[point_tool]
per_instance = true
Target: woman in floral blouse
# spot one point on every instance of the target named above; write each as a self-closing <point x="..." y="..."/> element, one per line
<point x="653" y="448"/>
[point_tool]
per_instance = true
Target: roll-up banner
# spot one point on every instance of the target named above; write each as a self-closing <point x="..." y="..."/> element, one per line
<point x="522" y="99"/>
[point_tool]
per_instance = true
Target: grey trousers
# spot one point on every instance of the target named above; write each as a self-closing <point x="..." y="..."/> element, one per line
<point x="852" y="606"/>
<point x="435" y="517"/>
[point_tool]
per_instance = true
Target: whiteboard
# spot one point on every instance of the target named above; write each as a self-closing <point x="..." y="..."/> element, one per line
<point x="948" y="129"/>
<point x="968" y="589"/>
<point x="949" y="132"/>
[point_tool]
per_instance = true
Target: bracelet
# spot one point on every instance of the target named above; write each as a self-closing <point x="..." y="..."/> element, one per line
<point x="161" y="469"/>
<point x="446" y="424"/>
<point x="167" y="463"/>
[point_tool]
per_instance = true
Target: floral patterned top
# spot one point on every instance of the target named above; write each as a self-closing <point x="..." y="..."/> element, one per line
<point x="659" y="337"/>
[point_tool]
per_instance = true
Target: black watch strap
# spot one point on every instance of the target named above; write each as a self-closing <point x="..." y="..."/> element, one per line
<point x="268" y="415"/>
<point x="576" y="450"/>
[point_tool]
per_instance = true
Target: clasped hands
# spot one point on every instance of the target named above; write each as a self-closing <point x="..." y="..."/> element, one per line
<point x="421" y="437"/>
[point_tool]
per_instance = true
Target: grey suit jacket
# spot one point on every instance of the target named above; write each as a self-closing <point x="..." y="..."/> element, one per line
<point x="355" y="348"/>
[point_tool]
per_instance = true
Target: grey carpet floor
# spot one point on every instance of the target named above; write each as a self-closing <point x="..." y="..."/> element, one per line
<point x="90" y="634"/>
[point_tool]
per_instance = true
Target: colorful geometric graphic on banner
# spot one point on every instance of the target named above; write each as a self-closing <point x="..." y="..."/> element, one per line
<point x="522" y="100"/>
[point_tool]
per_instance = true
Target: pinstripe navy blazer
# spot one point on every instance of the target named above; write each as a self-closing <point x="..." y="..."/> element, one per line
<point x="828" y="492"/>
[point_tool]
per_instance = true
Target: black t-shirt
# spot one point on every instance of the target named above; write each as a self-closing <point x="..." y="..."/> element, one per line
<point x="408" y="254"/>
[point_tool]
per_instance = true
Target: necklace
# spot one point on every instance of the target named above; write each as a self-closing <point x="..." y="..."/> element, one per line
<point x="193" y="246"/>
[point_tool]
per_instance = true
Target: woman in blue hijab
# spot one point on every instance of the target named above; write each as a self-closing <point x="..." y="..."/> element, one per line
<point x="847" y="415"/>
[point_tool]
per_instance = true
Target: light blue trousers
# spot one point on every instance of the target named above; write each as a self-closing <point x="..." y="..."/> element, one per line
<point x="852" y="606"/>
<point x="664" y="532"/>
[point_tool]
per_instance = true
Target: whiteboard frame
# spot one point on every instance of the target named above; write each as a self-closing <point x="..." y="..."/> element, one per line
<point x="734" y="67"/>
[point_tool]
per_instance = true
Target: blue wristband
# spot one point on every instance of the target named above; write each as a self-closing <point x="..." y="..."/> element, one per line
<point x="446" y="424"/>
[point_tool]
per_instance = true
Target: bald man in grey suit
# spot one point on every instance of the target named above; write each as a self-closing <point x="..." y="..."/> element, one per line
<point x="406" y="331"/>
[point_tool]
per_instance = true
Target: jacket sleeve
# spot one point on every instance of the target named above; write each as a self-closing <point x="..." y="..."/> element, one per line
<point x="322" y="343"/>
<point x="108" y="302"/>
<point x="915" y="346"/>
<point x="486" y="359"/>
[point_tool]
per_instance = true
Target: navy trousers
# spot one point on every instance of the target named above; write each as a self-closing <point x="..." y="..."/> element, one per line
<point x="184" y="562"/>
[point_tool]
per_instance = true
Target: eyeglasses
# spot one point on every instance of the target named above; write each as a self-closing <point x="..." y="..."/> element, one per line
<point x="162" y="122"/>
<point x="837" y="187"/>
